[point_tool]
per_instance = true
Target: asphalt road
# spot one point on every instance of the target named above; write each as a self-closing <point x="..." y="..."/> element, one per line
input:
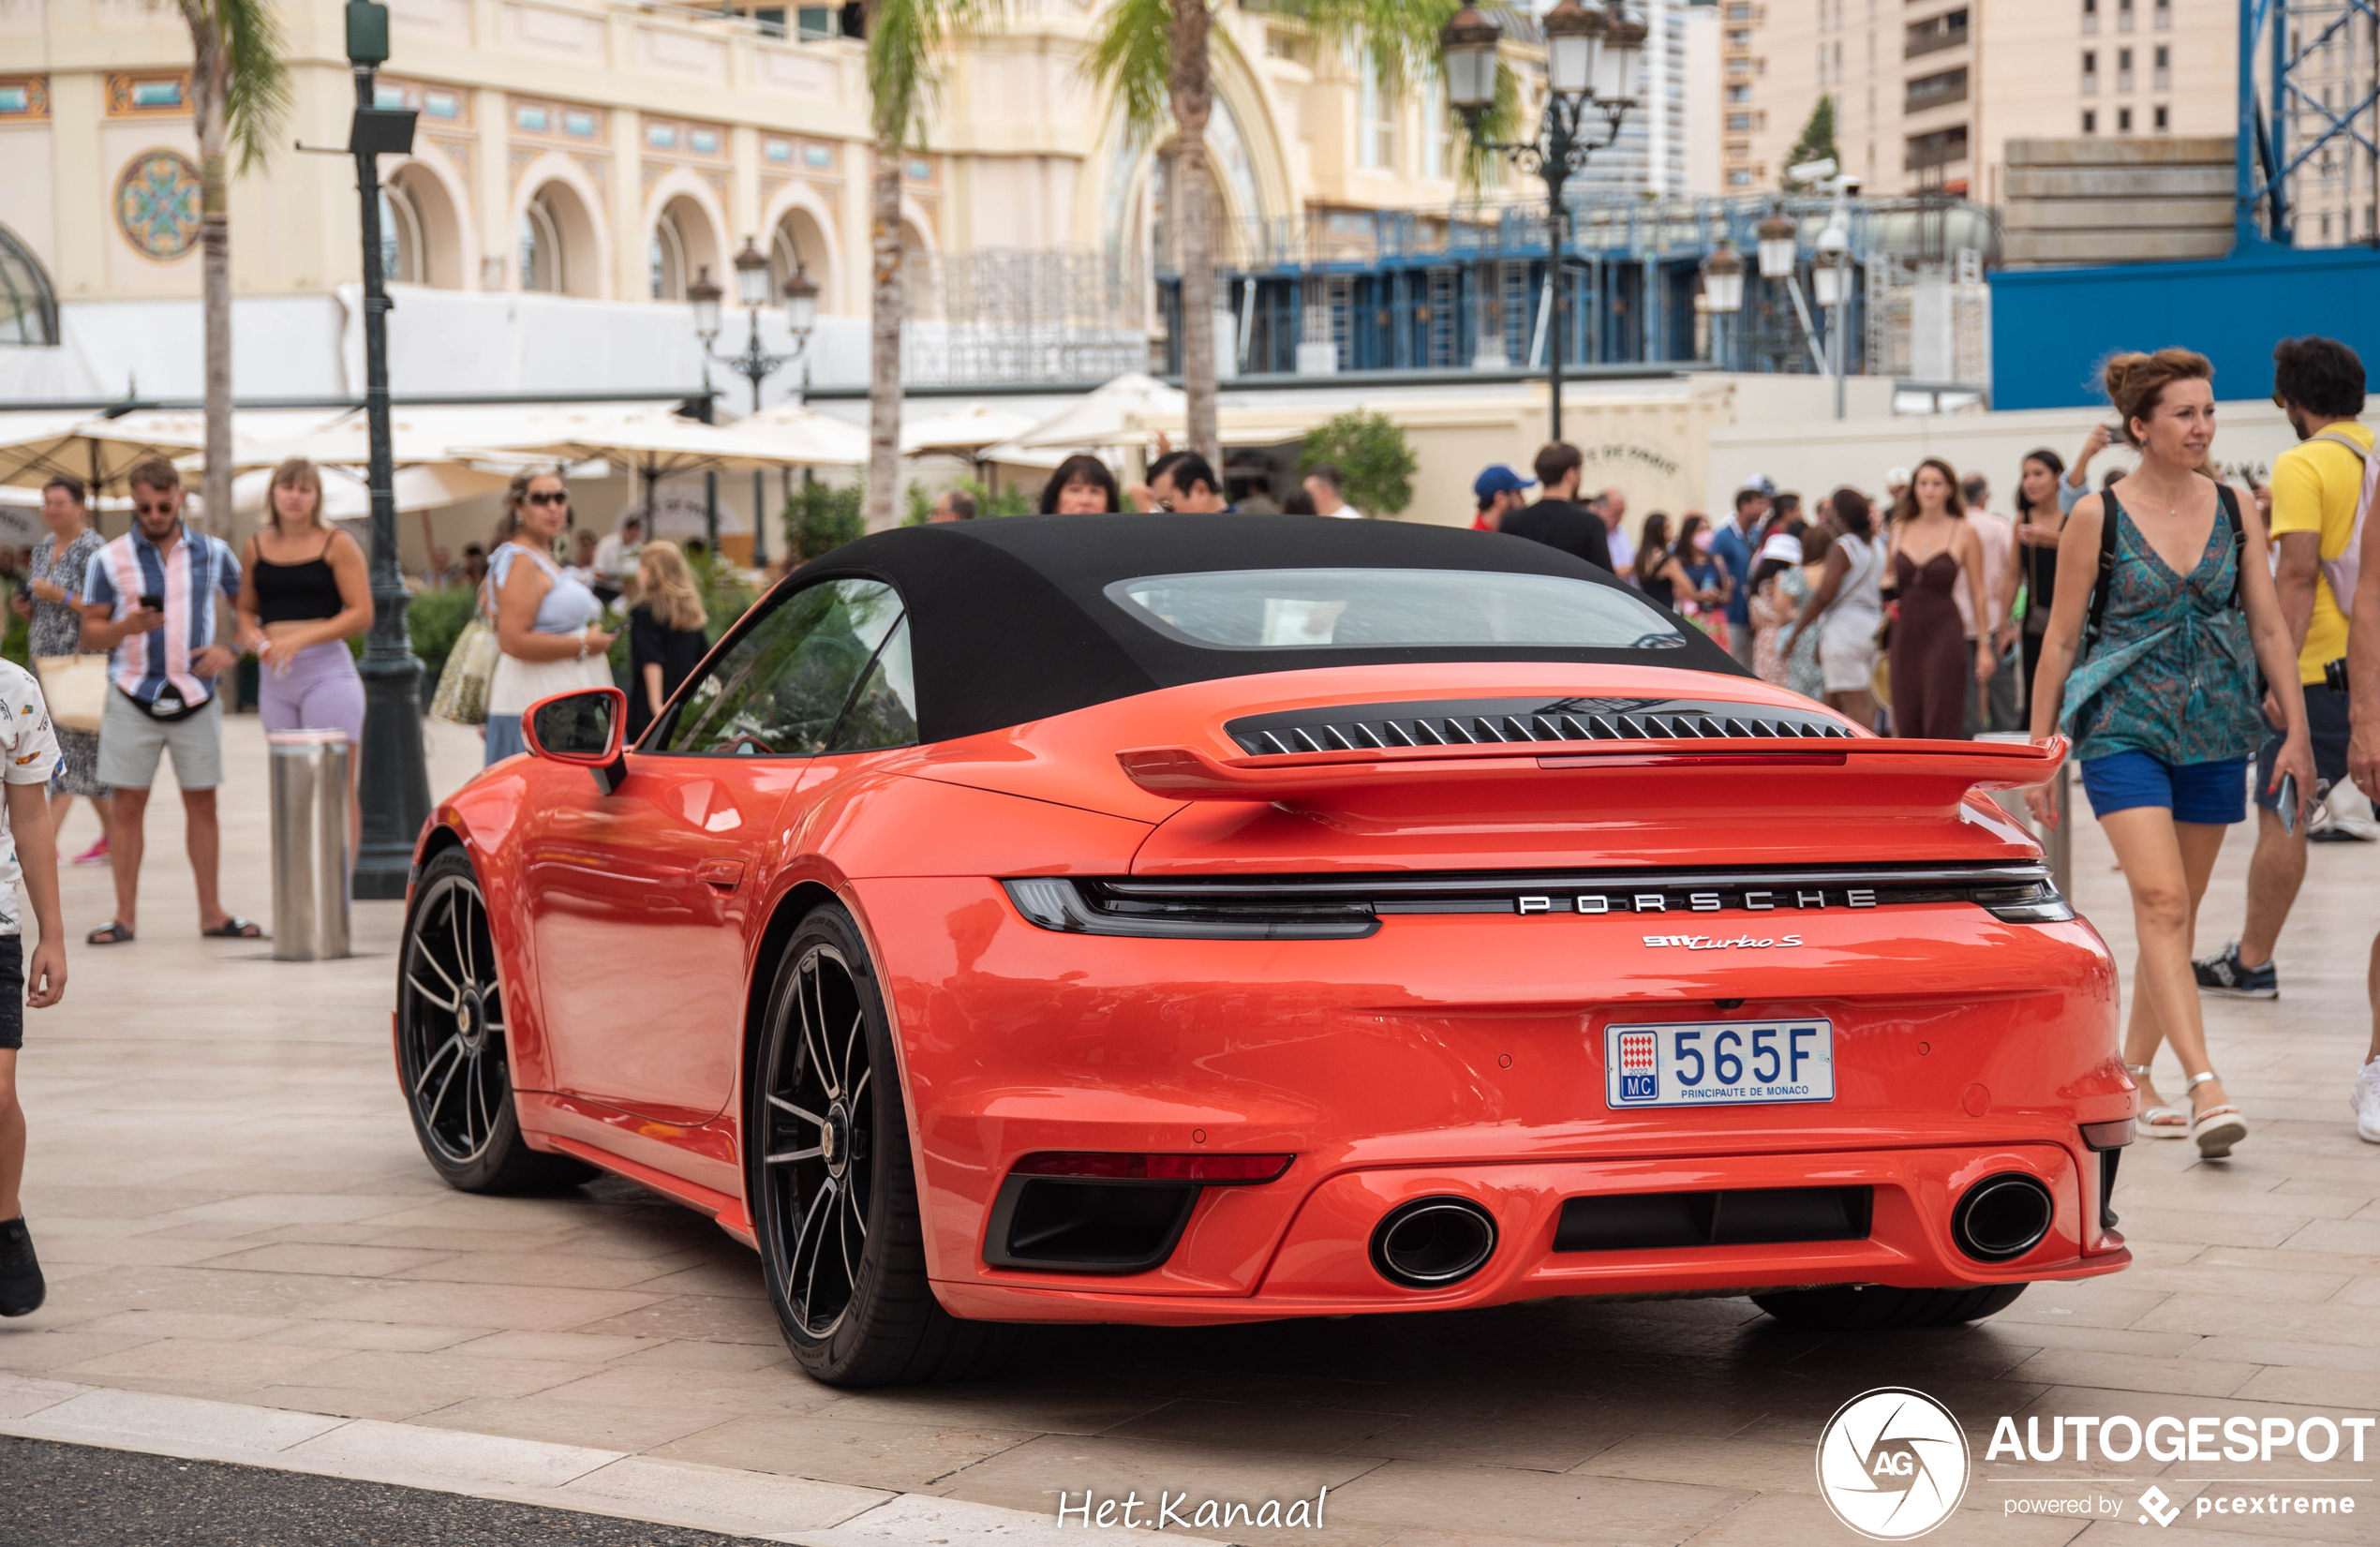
<point x="74" y="1495"/>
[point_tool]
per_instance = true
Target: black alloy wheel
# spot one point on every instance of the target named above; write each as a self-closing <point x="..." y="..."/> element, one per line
<point x="452" y="1052"/>
<point x="833" y="1193"/>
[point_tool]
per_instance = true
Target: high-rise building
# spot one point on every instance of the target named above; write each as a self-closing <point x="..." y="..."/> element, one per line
<point x="1928" y="93"/>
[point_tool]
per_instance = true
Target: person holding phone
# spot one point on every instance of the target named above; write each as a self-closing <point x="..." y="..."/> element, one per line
<point x="2163" y="701"/>
<point x="150" y="601"/>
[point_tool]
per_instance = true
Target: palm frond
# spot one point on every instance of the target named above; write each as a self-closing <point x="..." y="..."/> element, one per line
<point x="1133" y="55"/>
<point x="904" y="39"/>
<point x="256" y="99"/>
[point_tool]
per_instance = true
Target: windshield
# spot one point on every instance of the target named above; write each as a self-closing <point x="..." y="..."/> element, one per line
<point x="1334" y="608"/>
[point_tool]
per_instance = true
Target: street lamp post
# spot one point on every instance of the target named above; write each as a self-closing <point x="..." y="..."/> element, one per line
<point x="1591" y="60"/>
<point x="394" y="780"/>
<point x="755" y="365"/>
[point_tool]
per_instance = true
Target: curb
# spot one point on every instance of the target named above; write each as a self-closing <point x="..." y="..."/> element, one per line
<point x="767" y="1505"/>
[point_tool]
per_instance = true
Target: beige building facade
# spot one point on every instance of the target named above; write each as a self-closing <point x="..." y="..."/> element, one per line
<point x="579" y="163"/>
<point x="1928" y="93"/>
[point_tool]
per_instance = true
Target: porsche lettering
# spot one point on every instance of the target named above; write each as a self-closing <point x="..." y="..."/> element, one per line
<point x="1759" y="901"/>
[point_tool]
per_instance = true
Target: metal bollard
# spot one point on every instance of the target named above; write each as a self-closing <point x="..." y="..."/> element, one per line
<point x="310" y="844"/>
<point x="2059" y="841"/>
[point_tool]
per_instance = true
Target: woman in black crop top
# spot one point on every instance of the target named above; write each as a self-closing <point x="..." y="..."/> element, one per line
<point x="304" y="594"/>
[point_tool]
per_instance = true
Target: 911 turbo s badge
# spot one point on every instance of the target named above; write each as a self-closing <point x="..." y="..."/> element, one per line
<point x="1705" y="943"/>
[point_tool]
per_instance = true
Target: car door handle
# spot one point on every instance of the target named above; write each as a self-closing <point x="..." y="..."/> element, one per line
<point x="725" y="874"/>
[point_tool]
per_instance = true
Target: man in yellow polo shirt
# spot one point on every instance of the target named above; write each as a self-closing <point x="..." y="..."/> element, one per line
<point x="2318" y="382"/>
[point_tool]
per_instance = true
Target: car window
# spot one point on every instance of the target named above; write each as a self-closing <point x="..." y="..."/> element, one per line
<point x="1338" y="608"/>
<point x="779" y="691"/>
<point x="884" y="713"/>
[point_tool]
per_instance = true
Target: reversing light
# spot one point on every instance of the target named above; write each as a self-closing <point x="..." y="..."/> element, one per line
<point x="1214" y="1171"/>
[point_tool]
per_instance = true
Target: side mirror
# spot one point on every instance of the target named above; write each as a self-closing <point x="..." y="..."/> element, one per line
<point x="584" y="728"/>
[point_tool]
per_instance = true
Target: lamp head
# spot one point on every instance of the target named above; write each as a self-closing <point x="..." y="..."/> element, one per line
<point x="801" y="304"/>
<point x="1778" y="245"/>
<point x="1616" y="64"/>
<point x="1573" y="46"/>
<point x="1469" y="41"/>
<point x="1723" y="281"/>
<point x="752" y="277"/>
<point x="703" y="295"/>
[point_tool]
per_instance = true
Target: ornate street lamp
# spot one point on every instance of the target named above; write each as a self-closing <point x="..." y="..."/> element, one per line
<point x="1831" y="280"/>
<point x="1723" y="282"/>
<point x="1591" y="63"/>
<point x="755" y="365"/>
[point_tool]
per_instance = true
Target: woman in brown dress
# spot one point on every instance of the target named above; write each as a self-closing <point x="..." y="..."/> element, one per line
<point x="1932" y="546"/>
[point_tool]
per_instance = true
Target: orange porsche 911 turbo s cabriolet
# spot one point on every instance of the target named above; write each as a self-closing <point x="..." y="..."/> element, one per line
<point x="1191" y="919"/>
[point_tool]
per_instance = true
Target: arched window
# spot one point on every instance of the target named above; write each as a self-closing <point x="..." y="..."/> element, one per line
<point x="667" y="259"/>
<point x="540" y="247"/>
<point x="28" y="306"/>
<point x="403" y="249"/>
<point x="799" y="247"/>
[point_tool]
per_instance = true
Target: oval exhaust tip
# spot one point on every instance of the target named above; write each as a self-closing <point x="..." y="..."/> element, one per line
<point x="1431" y="1243"/>
<point x="2002" y="1217"/>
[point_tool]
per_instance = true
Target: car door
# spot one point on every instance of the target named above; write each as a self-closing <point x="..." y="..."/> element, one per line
<point x="641" y="900"/>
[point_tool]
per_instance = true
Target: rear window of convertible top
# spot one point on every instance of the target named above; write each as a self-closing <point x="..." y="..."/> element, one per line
<point x="1350" y="609"/>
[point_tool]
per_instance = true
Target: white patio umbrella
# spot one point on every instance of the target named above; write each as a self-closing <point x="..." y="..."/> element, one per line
<point x="813" y="440"/>
<point x="98" y="451"/>
<point x="963" y="432"/>
<point x="1111" y="415"/>
<point x="656" y="446"/>
<point x="347" y="495"/>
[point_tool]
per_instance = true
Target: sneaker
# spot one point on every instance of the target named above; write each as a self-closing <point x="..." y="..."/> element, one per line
<point x="2366" y="1101"/>
<point x="96" y="854"/>
<point x="21" y="1286"/>
<point x="2225" y="978"/>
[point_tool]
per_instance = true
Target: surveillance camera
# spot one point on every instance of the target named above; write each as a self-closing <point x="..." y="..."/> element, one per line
<point x="1812" y="171"/>
<point x="1848" y="182"/>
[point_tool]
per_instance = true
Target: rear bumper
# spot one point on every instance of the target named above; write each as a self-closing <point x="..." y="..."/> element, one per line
<point x="1465" y="1055"/>
<point x="1323" y="1267"/>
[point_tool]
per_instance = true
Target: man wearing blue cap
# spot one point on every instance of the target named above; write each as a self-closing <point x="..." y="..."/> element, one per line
<point x="1500" y="491"/>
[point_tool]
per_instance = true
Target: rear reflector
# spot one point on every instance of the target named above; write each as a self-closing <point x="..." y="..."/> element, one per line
<point x="1213" y="1170"/>
<point x="2108" y="1135"/>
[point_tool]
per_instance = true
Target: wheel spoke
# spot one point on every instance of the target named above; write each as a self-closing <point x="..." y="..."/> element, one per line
<point x="811" y="1153"/>
<point x="851" y="1197"/>
<point x="454" y="928"/>
<point x="483" y="1068"/>
<point x="858" y="1088"/>
<point x="815" y="1240"/>
<point x="451" y="1044"/>
<point x="475" y="919"/>
<point x="427" y="992"/>
<point x="426" y="955"/>
<point x="850" y="1042"/>
<point x="826" y="1076"/>
<point x="438" y="1105"/>
<point x="784" y="1105"/>
<point x="843" y="1241"/>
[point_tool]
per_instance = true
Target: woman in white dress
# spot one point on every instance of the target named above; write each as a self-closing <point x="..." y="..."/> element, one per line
<point x="544" y="618"/>
<point x="1848" y="606"/>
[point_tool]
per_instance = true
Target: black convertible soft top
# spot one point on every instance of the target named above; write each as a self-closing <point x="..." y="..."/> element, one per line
<point x="1010" y="622"/>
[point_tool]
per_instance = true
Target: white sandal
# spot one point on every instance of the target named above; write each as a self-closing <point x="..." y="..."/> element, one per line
<point x="2218" y="1128"/>
<point x="2147" y="1124"/>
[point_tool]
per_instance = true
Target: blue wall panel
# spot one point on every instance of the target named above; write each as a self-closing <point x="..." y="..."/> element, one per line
<point x="2051" y="327"/>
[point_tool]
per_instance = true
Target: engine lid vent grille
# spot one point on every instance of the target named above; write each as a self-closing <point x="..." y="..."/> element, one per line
<point x="1500" y="722"/>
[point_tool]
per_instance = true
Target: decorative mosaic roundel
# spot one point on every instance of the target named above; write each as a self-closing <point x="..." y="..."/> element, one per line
<point x="158" y="203"/>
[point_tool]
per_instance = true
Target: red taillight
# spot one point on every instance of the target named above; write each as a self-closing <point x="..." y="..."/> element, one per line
<point x="2108" y="1135"/>
<point x="1144" y="1167"/>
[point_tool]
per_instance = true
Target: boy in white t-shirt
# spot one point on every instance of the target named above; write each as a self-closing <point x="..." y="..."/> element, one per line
<point x="28" y="755"/>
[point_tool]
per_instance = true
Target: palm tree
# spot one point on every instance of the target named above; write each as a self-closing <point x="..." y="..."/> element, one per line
<point x="239" y="95"/>
<point x="903" y="38"/>
<point x="1156" y="56"/>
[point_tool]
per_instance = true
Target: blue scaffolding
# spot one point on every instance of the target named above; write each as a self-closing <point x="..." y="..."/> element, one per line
<point x="1458" y="287"/>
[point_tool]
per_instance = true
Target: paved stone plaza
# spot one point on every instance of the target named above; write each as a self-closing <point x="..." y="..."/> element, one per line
<point x="228" y="1198"/>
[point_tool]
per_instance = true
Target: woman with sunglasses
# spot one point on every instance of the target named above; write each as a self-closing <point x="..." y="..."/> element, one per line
<point x="544" y="620"/>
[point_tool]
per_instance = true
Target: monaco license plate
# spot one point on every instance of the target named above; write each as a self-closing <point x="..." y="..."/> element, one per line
<point x="1719" y="1062"/>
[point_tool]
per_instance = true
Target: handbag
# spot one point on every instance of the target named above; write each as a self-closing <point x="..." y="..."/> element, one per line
<point x="75" y="689"/>
<point x="470" y="669"/>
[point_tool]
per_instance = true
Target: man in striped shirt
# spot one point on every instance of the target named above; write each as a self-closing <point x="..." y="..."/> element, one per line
<point x="150" y="601"/>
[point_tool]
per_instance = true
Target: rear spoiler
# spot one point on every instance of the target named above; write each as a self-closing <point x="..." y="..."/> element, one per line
<point x="1185" y="773"/>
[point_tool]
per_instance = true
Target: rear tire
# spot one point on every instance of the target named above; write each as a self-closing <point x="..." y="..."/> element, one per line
<point x="833" y="1190"/>
<point x="452" y="1053"/>
<point x="1881" y="1307"/>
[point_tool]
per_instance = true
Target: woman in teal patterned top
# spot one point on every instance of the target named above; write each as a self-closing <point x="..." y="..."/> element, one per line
<point x="2164" y="704"/>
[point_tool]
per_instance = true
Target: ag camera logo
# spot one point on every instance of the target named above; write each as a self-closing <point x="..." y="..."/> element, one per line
<point x="1891" y="1463"/>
